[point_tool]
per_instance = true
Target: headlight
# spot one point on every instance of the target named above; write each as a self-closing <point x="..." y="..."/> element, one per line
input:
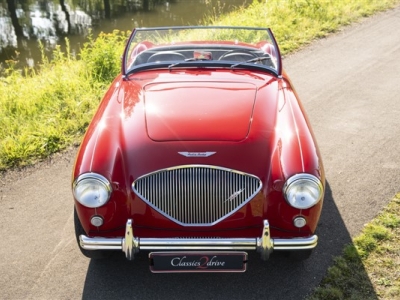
<point x="303" y="191"/>
<point x="92" y="190"/>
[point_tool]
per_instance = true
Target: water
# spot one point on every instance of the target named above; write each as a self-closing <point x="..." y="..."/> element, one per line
<point x="51" y="21"/>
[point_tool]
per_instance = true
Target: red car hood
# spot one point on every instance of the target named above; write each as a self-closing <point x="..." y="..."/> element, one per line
<point x="193" y="111"/>
<point x="144" y="124"/>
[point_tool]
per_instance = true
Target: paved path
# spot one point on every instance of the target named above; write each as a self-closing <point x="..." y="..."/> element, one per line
<point x="350" y="85"/>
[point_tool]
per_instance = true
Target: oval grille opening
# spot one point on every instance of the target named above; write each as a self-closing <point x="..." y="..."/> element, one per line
<point x="197" y="195"/>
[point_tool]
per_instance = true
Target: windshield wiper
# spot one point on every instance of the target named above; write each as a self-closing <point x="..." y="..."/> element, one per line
<point x="253" y="60"/>
<point x="186" y="60"/>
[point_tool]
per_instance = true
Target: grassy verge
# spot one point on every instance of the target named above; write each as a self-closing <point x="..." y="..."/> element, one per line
<point x="296" y="23"/>
<point x="43" y="112"/>
<point x="373" y="258"/>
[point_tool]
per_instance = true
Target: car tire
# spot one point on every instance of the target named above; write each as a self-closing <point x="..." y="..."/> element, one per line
<point x="299" y="255"/>
<point x="93" y="254"/>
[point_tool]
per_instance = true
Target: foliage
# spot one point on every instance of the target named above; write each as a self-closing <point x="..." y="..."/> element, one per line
<point x="297" y="22"/>
<point x="47" y="110"/>
<point x="102" y="55"/>
<point x="376" y="252"/>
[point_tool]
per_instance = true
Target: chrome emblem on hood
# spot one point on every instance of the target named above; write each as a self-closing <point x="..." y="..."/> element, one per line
<point x="234" y="195"/>
<point x="197" y="154"/>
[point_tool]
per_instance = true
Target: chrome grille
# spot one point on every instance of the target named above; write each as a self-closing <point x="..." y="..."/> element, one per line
<point x="197" y="195"/>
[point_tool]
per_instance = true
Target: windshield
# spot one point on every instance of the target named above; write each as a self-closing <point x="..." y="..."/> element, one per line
<point x="183" y="47"/>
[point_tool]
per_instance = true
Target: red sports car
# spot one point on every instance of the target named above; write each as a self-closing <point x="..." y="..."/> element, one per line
<point x="199" y="152"/>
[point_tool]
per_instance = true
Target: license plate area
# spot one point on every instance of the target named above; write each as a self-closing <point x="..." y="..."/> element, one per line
<point x="197" y="262"/>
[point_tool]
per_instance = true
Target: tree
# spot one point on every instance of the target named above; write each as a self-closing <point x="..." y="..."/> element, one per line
<point x="107" y="9"/>
<point x="14" y="19"/>
<point x="67" y="16"/>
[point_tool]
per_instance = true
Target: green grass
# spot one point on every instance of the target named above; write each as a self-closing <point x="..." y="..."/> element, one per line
<point x="45" y="111"/>
<point x="296" y="23"/>
<point x="369" y="268"/>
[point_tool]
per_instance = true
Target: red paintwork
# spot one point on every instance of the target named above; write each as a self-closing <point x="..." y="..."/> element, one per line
<point x="253" y="120"/>
<point x="229" y="120"/>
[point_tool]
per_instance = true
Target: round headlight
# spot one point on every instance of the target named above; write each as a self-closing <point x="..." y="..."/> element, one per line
<point x="303" y="191"/>
<point x="92" y="190"/>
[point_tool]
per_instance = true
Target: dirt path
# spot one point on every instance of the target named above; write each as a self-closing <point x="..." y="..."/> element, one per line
<point x="350" y="85"/>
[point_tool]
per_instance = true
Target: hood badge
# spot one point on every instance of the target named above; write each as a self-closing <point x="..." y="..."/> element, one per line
<point x="197" y="154"/>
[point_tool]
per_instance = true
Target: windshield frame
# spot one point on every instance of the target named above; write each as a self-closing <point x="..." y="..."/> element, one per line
<point x="129" y="57"/>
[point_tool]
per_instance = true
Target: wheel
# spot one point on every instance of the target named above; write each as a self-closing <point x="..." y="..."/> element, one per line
<point x="299" y="255"/>
<point x="94" y="254"/>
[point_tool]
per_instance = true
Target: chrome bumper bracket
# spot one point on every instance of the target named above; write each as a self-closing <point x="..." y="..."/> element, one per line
<point x="264" y="243"/>
<point x="130" y="244"/>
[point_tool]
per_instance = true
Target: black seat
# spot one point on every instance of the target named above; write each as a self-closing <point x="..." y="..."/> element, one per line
<point x="166" y="56"/>
<point x="237" y="56"/>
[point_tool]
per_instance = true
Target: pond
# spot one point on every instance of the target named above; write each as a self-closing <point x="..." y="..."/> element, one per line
<point x="23" y="23"/>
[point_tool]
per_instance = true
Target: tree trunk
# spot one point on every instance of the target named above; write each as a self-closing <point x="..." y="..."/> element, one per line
<point x="67" y="16"/>
<point x="14" y="19"/>
<point x="146" y="5"/>
<point x="107" y="9"/>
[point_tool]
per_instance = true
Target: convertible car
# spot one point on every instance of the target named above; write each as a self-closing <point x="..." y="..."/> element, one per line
<point x="199" y="153"/>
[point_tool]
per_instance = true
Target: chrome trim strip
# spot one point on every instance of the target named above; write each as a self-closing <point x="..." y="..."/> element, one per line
<point x="197" y="154"/>
<point x="295" y="243"/>
<point x="173" y="193"/>
<point x="130" y="244"/>
<point x="100" y="243"/>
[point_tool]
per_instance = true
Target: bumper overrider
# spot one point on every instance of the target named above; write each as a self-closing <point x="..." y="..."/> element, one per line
<point x="131" y="244"/>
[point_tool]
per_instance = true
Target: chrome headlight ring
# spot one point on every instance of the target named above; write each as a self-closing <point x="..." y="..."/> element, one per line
<point x="303" y="190"/>
<point x="91" y="190"/>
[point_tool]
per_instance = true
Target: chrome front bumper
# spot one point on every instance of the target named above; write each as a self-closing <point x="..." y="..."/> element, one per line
<point x="131" y="244"/>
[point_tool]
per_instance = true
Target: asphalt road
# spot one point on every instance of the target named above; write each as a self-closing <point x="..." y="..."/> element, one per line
<point x="350" y="86"/>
